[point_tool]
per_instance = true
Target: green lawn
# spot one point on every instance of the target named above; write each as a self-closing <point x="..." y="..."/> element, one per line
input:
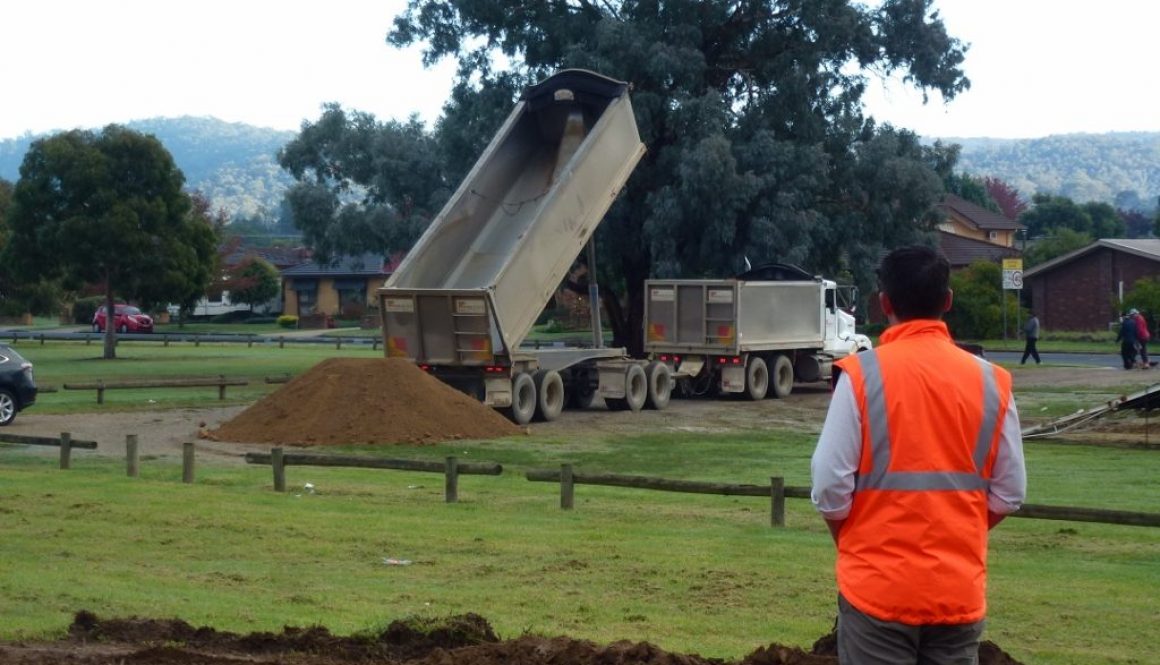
<point x="692" y="573"/>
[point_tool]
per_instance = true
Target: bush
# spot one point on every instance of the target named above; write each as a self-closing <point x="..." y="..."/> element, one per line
<point x="237" y="316"/>
<point x="84" y="309"/>
<point x="554" y="326"/>
<point x="287" y="321"/>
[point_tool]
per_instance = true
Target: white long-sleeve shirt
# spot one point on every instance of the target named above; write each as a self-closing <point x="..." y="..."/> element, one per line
<point x="834" y="466"/>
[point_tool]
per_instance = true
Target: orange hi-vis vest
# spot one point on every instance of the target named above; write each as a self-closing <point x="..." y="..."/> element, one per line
<point x="914" y="546"/>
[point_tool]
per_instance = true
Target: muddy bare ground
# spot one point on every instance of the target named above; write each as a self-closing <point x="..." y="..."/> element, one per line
<point x="458" y="640"/>
<point x="162" y="432"/>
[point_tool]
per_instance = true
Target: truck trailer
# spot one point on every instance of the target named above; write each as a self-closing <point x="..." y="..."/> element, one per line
<point x="466" y="296"/>
<point x="754" y="335"/>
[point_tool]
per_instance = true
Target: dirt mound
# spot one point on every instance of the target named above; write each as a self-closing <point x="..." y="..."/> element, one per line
<point x="457" y="640"/>
<point x="349" y="400"/>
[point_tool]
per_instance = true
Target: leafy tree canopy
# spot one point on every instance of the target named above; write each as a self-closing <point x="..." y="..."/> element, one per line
<point x="977" y="309"/>
<point x="751" y="112"/>
<point x="1048" y="213"/>
<point x="362" y="185"/>
<point x="108" y="209"/>
<point x="253" y="282"/>
<point x="1056" y="242"/>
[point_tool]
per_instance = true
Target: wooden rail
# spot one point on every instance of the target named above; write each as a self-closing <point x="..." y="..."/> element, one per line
<point x="567" y="477"/>
<point x="101" y="386"/>
<point x="451" y="468"/>
<point x="65" y="442"/>
<point x="775" y="490"/>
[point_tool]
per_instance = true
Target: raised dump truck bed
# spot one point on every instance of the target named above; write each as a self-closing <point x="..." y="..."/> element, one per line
<point x="465" y="297"/>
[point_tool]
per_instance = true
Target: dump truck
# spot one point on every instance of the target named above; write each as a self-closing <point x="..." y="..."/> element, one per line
<point x="463" y="300"/>
<point x="754" y="335"/>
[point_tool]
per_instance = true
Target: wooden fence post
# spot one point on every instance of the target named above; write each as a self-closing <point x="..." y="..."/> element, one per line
<point x="101" y="391"/>
<point x="65" y="450"/>
<point x="776" y="501"/>
<point x="281" y="342"/>
<point x="131" y="457"/>
<point x="187" y="462"/>
<point x="567" y="487"/>
<point x="222" y="387"/>
<point x="451" y="484"/>
<point x="279" y="465"/>
<point x="42" y="339"/>
<point x="338" y="343"/>
<point x="166" y="340"/>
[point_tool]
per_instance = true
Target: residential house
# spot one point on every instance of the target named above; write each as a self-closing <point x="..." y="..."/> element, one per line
<point x="344" y="289"/>
<point x="968" y="220"/>
<point x="1081" y="290"/>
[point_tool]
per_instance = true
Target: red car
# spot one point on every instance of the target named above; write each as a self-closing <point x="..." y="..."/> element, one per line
<point x="126" y="319"/>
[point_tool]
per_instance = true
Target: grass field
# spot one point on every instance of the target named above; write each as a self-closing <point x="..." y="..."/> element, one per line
<point x="691" y="573"/>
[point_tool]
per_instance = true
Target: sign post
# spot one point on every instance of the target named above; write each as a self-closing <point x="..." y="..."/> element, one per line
<point x="1012" y="281"/>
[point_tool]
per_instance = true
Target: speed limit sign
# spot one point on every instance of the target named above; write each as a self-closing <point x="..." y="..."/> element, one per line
<point x="1012" y="274"/>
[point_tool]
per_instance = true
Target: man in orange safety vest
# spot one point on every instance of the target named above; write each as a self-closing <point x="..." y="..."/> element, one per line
<point x="919" y="457"/>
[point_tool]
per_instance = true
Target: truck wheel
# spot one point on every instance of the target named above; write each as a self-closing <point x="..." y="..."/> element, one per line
<point x="582" y="392"/>
<point x="782" y="377"/>
<point x="635" y="391"/>
<point x="7" y="407"/>
<point x="660" y="385"/>
<point x="549" y="394"/>
<point x="757" y="378"/>
<point x="523" y="399"/>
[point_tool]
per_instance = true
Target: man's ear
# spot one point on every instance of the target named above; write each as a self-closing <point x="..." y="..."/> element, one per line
<point x="950" y="299"/>
<point x="884" y="302"/>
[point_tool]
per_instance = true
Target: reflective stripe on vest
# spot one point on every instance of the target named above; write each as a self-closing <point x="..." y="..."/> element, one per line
<point x="881" y="478"/>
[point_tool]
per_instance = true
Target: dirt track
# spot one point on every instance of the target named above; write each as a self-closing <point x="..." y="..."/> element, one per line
<point x="162" y="432"/>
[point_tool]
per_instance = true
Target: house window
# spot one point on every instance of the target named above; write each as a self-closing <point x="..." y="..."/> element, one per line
<point x="307" y="292"/>
<point x="992" y="235"/>
<point x="352" y="297"/>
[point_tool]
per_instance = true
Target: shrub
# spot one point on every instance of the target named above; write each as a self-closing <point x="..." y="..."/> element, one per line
<point x="84" y="309"/>
<point x="554" y="326"/>
<point x="236" y="316"/>
<point x="288" y="321"/>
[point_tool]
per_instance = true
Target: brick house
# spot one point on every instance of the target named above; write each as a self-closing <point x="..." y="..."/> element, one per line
<point x="1080" y="290"/>
<point x="343" y="290"/>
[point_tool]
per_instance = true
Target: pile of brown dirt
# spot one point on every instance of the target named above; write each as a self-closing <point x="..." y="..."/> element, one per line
<point x="457" y="640"/>
<point x="349" y="400"/>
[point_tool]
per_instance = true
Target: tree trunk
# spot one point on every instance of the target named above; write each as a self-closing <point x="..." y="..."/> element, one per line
<point x="110" y="322"/>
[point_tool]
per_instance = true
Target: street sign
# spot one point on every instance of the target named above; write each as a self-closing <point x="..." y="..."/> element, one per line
<point x="1012" y="274"/>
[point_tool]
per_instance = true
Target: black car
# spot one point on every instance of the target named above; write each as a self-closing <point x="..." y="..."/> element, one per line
<point x="17" y="387"/>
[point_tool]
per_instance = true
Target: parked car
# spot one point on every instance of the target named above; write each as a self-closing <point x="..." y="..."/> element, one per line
<point x="126" y="318"/>
<point x="17" y="387"/>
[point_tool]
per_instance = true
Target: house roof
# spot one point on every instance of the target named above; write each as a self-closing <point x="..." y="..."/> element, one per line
<point x="962" y="251"/>
<point x="1148" y="248"/>
<point x="369" y="265"/>
<point x="983" y="219"/>
<point x="279" y="257"/>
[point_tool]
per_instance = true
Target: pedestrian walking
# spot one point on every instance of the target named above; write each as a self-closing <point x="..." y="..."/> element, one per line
<point x="920" y="455"/>
<point x="1031" y="335"/>
<point x="1127" y="337"/>
<point x="1142" y="338"/>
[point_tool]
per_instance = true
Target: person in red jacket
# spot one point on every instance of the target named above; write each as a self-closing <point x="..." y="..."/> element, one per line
<point x="920" y="455"/>
<point x="1142" y="337"/>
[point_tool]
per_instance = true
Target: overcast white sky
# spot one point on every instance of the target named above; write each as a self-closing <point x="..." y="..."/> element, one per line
<point x="1037" y="67"/>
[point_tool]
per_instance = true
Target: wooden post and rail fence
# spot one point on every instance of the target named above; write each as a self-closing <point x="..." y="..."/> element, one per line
<point x="777" y="491"/>
<point x="451" y="468"/>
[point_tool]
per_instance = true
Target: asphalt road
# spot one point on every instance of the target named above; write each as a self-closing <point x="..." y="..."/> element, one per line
<point x="1109" y="360"/>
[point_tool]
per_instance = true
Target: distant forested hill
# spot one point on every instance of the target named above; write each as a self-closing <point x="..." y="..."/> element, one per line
<point x="232" y="163"/>
<point x="1118" y="168"/>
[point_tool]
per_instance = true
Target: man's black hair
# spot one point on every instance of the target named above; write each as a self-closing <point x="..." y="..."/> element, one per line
<point x="916" y="279"/>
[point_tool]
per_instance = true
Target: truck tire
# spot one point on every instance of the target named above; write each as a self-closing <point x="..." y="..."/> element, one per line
<point x="582" y="392"/>
<point x="782" y="376"/>
<point x="549" y="394"/>
<point x="523" y="399"/>
<point x="635" y="391"/>
<point x="660" y="385"/>
<point x="757" y="378"/>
